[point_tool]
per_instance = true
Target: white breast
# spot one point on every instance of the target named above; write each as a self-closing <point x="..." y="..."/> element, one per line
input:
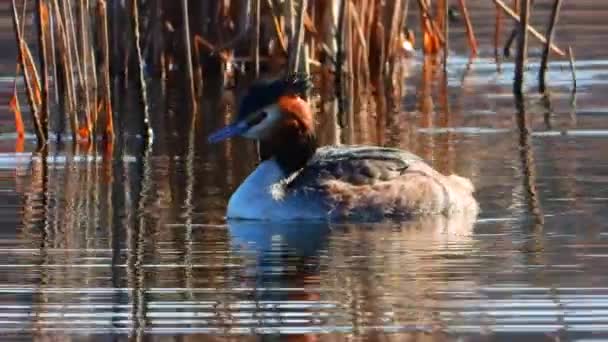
<point x="259" y="197"/>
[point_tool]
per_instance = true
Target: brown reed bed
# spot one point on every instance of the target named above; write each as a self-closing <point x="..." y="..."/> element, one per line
<point x="95" y="55"/>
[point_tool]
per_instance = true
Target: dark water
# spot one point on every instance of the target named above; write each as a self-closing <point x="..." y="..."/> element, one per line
<point x="93" y="248"/>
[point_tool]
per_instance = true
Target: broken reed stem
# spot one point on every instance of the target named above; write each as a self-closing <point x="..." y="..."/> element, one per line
<point x="522" y="49"/>
<point x="42" y="14"/>
<point x="148" y="134"/>
<point x="531" y="29"/>
<point x="28" y="82"/>
<point x="105" y="72"/>
<point x="297" y="41"/>
<point x="550" y="35"/>
<point x="469" y="26"/>
<point x="188" y="55"/>
<point x="572" y="69"/>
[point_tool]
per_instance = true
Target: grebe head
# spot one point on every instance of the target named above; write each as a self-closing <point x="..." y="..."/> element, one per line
<point x="269" y="108"/>
<point x="276" y="114"/>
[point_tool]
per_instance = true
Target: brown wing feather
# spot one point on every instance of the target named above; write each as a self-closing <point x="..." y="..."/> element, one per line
<point x="358" y="165"/>
<point x="374" y="182"/>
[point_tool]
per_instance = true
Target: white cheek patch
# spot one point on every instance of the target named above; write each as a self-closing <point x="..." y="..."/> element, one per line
<point x="264" y="127"/>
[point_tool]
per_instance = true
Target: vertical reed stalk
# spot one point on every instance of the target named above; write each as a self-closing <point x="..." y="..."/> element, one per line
<point x="53" y="51"/>
<point x="522" y="49"/>
<point x="339" y="67"/>
<point x="550" y="35"/>
<point x="105" y="66"/>
<point x="470" y="33"/>
<point x="297" y="40"/>
<point x="188" y="55"/>
<point x="289" y="20"/>
<point x="393" y="33"/>
<point x="497" y="30"/>
<point x="43" y="25"/>
<point x="94" y="93"/>
<point x="16" y="108"/>
<point x="350" y="84"/>
<point x="71" y="41"/>
<point x="41" y="138"/>
<point x="84" y="47"/>
<point x="446" y="35"/>
<point x="531" y="29"/>
<point x="572" y="69"/>
<point x="143" y="97"/>
<point x="255" y="42"/>
<point x="68" y="74"/>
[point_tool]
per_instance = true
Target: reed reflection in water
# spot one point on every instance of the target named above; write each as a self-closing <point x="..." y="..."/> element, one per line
<point x="98" y="263"/>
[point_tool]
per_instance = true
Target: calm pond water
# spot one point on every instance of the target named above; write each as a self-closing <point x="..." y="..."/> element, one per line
<point x="100" y="249"/>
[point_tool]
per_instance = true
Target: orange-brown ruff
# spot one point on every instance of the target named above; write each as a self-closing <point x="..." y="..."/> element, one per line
<point x="300" y="181"/>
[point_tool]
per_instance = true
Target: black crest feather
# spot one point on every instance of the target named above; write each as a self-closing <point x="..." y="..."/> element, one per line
<point x="264" y="92"/>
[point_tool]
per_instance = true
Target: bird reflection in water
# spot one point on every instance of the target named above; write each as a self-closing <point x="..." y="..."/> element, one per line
<point x="310" y="280"/>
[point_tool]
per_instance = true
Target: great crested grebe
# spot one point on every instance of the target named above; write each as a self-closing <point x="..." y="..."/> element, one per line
<point x="300" y="181"/>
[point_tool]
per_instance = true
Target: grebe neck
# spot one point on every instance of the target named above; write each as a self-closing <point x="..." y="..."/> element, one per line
<point x="290" y="150"/>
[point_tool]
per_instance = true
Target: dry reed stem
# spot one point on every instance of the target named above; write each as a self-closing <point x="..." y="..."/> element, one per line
<point x="22" y="48"/>
<point x="188" y="54"/>
<point x="33" y="72"/>
<point x="277" y="27"/>
<point x="243" y="25"/>
<point x="522" y="49"/>
<point x="393" y="33"/>
<point x="143" y="97"/>
<point x="295" y="46"/>
<point x="550" y="35"/>
<point x="339" y="67"/>
<point x="255" y="42"/>
<point x="469" y="26"/>
<point x="68" y="75"/>
<point x="497" y="29"/>
<point x="105" y="72"/>
<point x="426" y="14"/>
<point x="572" y="69"/>
<point x="446" y="33"/>
<point x="53" y="52"/>
<point x="531" y="29"/>
<point x="16" y="108"/>
<point x="350" y="90"/>
<point x="288" y="15"/>
<point x="43" y="26"/>
<point x="94" y="93"/>
<point x="71" y="35"/>
<point x="82" y="10"/>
